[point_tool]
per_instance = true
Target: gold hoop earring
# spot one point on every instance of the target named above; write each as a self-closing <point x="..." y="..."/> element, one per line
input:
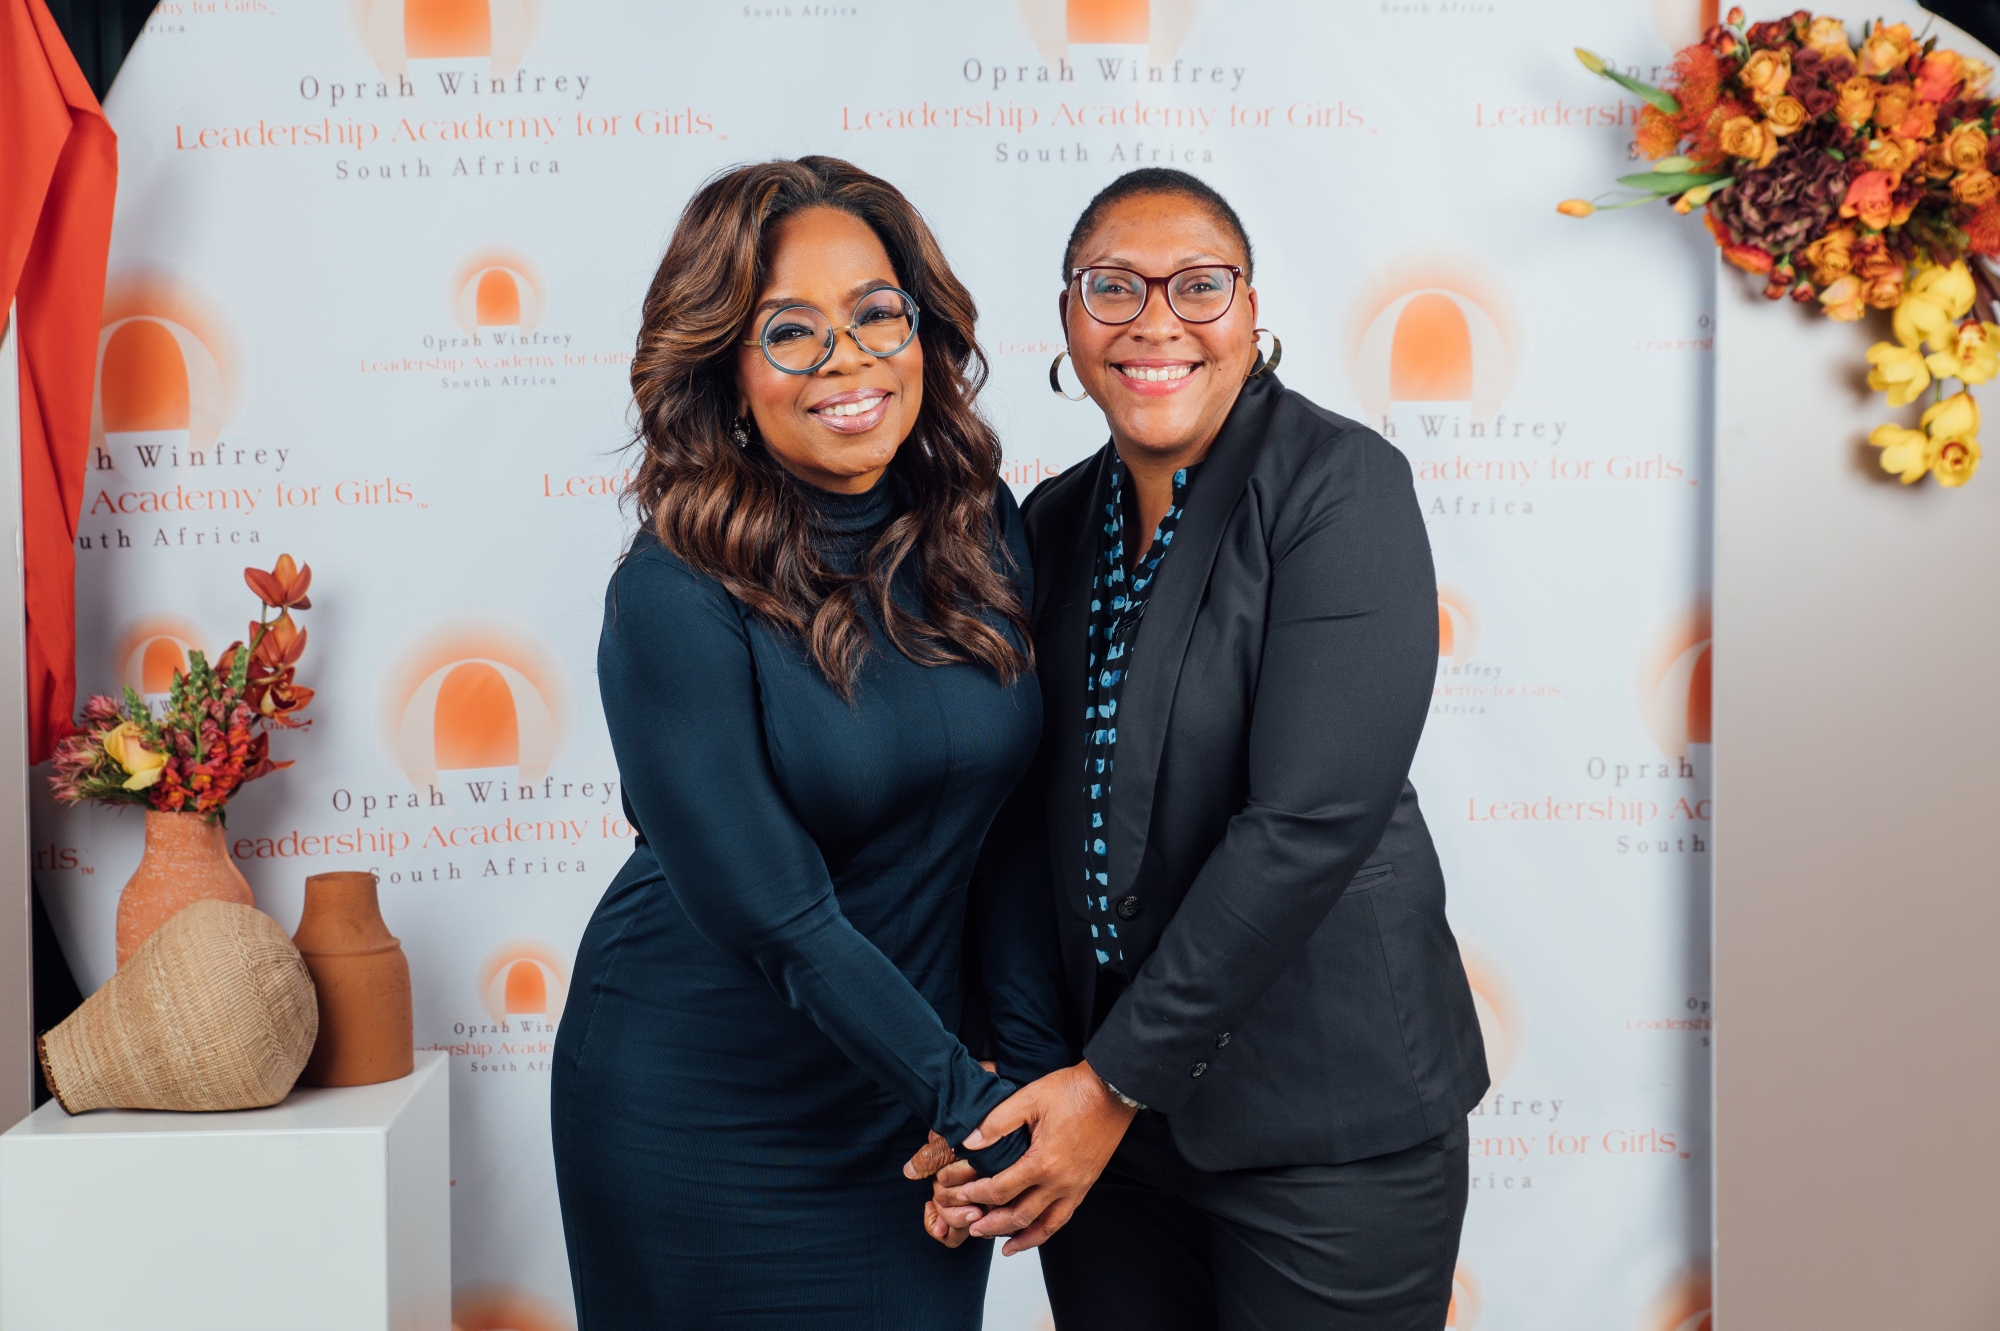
<point x="1055" y="380"/>
<point x="1264" y="367"/>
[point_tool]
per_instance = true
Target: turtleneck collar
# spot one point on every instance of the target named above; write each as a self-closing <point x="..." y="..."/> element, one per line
<point x="852" y="514"/>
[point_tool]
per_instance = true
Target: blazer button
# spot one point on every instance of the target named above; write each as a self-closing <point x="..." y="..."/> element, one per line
<point x="1128" y="908"/>
<point x="1222" y="1039"/>
<point x="1199" y="1068"/>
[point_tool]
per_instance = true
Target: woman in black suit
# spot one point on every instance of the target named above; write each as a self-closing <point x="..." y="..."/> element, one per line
<point x="1258" y="964"/>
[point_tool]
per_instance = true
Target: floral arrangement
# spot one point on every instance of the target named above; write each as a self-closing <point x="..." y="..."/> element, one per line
<point x="1853" y="175"/>
<point x="214" y="732"/>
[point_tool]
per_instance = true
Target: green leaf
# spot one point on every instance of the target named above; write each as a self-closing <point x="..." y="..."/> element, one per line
<point x="1665" y="101"/>
<point x="1656" y="182"/>
<point x="1673" y="164"/>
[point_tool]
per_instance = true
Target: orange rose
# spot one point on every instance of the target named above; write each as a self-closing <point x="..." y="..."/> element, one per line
<point x="1975" y="186"/>
<point x="1765" y="74"/>
<point x="1893" y="102"/>
<point x="1828" y="36"/>
<point x="1869" y="198"/>
<point x="1857" y="102"/>
<point x="1748" y="257"/>
<point x="1939" y="75"/>
<point x="1842" y="300"/>
<point x="1891" y="155"/>
<point x="1831" y="256"/>
<point x="1936" y="164"/>
<point x="1743" y="137"/>
<point x="1886" y="48"/>
<point x="1965" y="147"/>
<point x="1885" y="292"/>
<point x="1919" y="122"/>
<point x="1785" y="115"/>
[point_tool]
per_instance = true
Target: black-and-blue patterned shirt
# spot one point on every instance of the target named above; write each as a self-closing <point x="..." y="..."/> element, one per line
<point x="1117" y="603"/>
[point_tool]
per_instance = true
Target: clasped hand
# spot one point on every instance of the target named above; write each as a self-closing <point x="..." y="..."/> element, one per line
<point x="1074" y="1125"/>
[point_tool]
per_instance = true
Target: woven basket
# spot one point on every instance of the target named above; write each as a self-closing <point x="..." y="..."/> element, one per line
<point x="214" y="1011"/>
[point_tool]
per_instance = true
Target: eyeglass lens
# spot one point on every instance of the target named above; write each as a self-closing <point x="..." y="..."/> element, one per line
<point x="800" y="338"/>
<point x="1198" y="295"/>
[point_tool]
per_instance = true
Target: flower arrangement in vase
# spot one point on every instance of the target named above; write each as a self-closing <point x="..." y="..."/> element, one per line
<point x="1851" y="175"/>
<point x="184" y="764"/>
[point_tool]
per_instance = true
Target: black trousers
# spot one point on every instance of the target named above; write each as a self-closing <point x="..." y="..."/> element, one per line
<point x="1160" y="1245"/>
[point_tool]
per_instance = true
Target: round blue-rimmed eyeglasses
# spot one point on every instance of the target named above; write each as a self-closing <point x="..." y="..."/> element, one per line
<point x="798" y="339"/>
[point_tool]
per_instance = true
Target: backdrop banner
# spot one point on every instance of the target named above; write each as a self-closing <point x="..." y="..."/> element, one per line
<point x="376" y="276"/>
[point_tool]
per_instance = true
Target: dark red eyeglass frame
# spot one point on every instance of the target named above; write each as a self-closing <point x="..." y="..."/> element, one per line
<point x="1235" y="280"/>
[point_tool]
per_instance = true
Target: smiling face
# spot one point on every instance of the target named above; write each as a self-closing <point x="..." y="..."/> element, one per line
<point x="1165" y="385"/>
<point x="839" y="426"/>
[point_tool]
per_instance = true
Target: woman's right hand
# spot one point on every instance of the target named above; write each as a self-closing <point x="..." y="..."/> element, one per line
<point x="951" y="1225"/>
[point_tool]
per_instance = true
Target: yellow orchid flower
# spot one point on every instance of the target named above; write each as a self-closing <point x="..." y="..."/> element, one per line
<point x="1970" y="354"/>
<point x="1920" y="314"/>
<point x="1905" y="452"/>
<point x="124" y="743"/>
<point x="1950" y="287"/>
<point x="1901" y="372"/>
<point x="1957" y="417"/>
<point x="1954" y="461"/>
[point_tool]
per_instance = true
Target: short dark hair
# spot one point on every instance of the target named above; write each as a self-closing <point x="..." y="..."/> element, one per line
<point x="1156" y="180"/>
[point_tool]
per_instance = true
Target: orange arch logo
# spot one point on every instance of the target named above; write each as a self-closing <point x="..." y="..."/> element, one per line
<point x="504" y="1308"/>
<point x="1158" y="25"/>
<point x="1675" y="687"/>
<point x="164" y="362"/>
<point x="475" y="697"/>
<point x="1463" y="1314"/>
<point x="399" y="31"/>
<point x="1688" y="1304"/>
<point x="1432" y="330"/>
<point x="1499" y="1014"/>
<point x="151" y="651"/>
<point x="523" y="979"/>
<point x="497" y="288"/>
<point x="1458" y="624"/>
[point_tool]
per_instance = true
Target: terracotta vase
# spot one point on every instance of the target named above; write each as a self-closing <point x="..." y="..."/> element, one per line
<point x="366" y="1033"/>
<point x="186" y="860"/>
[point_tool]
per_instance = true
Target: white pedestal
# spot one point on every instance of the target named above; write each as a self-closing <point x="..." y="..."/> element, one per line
<point x="328" y="1212"/>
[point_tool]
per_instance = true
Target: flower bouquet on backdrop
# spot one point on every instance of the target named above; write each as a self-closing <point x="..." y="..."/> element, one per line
<point x="1851" y="175"/>
<point x="213" y="733"/>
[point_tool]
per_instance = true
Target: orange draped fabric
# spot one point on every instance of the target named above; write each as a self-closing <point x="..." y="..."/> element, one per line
<point x="58" y="179"/>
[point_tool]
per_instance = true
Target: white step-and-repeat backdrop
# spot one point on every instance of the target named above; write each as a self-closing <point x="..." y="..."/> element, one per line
<point x="374" y="286"/>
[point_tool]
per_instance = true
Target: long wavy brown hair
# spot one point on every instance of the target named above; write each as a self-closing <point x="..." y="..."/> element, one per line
<point x="735" y="514"/>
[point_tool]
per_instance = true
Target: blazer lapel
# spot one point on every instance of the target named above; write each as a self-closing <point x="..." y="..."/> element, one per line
<point x="1062" y="616"/>
<point x="1148" y="699"/>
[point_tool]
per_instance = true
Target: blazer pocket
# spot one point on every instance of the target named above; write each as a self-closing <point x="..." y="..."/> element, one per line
<point x="1370" y="877"/>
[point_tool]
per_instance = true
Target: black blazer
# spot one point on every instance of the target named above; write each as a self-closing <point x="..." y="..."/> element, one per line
<point x="1297" y="996"/>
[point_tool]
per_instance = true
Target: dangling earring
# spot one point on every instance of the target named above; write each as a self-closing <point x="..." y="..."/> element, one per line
<point x="740" y="434"/>
<point x="1055" y="381"/>
<point x="1264" y="367"/>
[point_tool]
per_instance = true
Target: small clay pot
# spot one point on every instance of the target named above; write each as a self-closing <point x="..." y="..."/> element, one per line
<point x="366" y="1033"/>
<point x="186" y="860"/>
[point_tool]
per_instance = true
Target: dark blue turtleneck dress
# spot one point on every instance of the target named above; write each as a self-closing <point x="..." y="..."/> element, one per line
<point x="765" y="1009"/>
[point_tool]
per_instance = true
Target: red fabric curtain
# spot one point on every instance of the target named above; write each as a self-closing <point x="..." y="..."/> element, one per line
<point x="58" y="180"/>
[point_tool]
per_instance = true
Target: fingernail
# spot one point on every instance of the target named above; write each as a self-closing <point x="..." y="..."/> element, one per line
<point x="975" y="1141"/>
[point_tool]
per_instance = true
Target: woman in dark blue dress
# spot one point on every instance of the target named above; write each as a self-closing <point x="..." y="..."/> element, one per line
<point x="818" y="686"/>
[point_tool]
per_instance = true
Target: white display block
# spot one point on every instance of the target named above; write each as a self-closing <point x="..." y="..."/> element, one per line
<point x="328" y="1212"/>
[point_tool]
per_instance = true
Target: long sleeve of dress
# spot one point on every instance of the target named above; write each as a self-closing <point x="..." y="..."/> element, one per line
<point x="1011" y="925"/>
<point x="681" y="699"/>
